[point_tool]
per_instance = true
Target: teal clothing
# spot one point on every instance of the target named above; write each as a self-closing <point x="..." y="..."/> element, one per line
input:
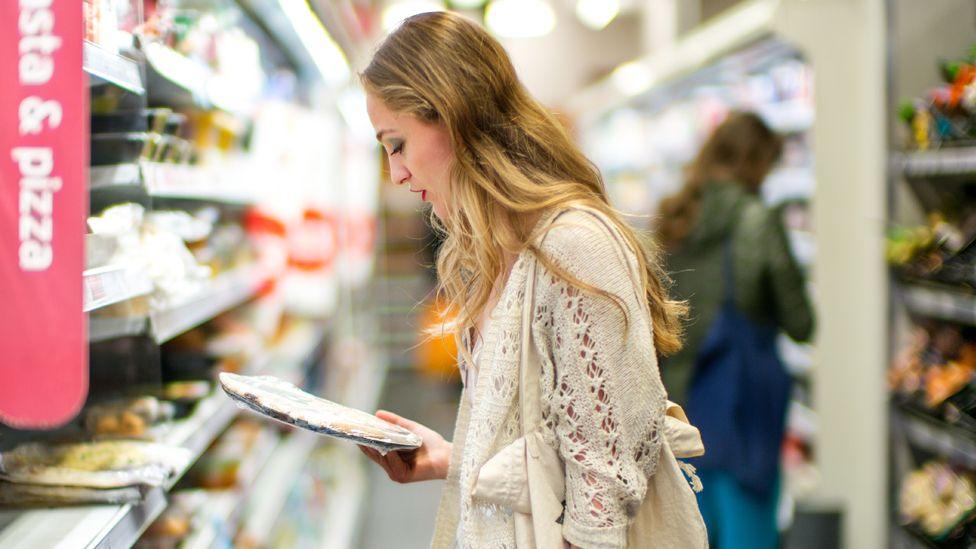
<point x="769" y="285"/>
<point x="735" y="517"/>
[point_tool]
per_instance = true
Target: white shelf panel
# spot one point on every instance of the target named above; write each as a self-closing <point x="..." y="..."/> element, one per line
<point x="942" y="162"/>
<point x="225" y="292"/>
<point x="273" y="485"/>
<point x="113" y="526"/>
<point x="222" y="506"/>
<point x="193" y="183"/>
<point x="105" y="66"/>
<point x="944" y="304"/>
<point x="944" y="440"/>
<point x="112" y="284"/>
<point x="103" y="177"/>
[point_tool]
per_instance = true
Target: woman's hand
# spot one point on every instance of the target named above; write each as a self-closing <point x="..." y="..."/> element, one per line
<point x="429" y="462"/>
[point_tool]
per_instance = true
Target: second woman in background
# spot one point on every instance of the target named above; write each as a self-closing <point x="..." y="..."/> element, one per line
<point x="731" y="261"/>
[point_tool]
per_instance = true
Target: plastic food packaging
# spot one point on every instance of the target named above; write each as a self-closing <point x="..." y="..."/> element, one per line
<point x="107" y="464"/>
<point x="284" y="402"/>
<point x="21" y="495"/>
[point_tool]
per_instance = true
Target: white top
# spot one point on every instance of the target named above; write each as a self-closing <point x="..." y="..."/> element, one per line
<point x="602" y="397"/>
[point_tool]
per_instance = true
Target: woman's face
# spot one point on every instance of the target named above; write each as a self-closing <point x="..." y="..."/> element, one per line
<point x="419" y="152"/>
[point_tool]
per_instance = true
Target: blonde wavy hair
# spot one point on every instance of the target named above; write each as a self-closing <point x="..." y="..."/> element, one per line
<point x="513" y="162"/>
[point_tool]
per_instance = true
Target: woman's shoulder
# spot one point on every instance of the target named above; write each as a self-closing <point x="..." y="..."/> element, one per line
<point x="584" y="235"/>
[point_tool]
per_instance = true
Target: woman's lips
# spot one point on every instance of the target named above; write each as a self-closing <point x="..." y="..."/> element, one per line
<point x="423" y="195"/>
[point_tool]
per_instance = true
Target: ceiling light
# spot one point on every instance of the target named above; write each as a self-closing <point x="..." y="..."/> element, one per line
<point x="325" y="53"/>
<point x="632" y="78"/>
<point x="396" y="12"/>
<point x="520" y="18"/>
<point x="467" y="4"/>
<point x="597" y="14"/>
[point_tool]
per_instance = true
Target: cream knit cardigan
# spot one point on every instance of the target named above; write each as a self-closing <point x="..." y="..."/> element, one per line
<point x="602" y="397"/>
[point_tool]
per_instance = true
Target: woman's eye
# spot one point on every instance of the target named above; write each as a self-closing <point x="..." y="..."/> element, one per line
<point x="397" y="148"/>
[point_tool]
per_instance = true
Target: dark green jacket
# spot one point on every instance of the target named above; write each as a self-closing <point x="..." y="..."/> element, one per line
<point x="769" y="285"/>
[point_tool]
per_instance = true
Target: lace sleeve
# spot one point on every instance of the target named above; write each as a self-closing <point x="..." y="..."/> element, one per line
<point x="603" y="401"/>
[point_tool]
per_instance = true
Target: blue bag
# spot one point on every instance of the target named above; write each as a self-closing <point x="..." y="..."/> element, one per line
<point x="739" y="395"/>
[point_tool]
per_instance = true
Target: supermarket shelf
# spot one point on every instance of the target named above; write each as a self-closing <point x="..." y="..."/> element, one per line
<point x="273" y="18"/>
<point x="168" y="180"/>
<point x="112" y="526"/>
<point x="114" y="176"/>
<point x="192" y="183"/>
<point x="274" y="483"/>
<point x="345" y="507"/>
<point x="103" y="328"/>
<point x="112" y="284"/>
<point x="940" y="302"/>
<point x="104" y="66"/>
<point x="942" y="162"/>
<point x="225" y="292"/>
<point x="223" y="506"/>
<point x="179" y="81"/>
<point x="936" y="436"/>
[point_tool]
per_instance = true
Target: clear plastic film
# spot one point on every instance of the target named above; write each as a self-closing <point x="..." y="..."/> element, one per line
<point x="284" y="402"/>
<point x="107" y="464"/>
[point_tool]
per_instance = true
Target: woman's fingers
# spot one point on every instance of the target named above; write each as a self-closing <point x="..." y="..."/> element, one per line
<point x="397" y="420"/>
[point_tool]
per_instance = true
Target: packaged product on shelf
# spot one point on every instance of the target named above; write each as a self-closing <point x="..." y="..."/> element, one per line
<point x="284" y="402"/>
<point x="220" y="467"/>
<point x="947" y="116"/>
<point x="14" y="494"/>
<point x="939" y="501"/>
<point x="936" y="373"/>
<point x="130" y="418"/>
<point x="105" y="464"/>
<point x="176" y="522"/>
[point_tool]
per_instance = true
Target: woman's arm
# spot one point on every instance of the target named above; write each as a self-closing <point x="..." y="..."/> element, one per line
<point x="602" y="393"/>
<point x="429" y="462"/>
<point x="793" y="311"/>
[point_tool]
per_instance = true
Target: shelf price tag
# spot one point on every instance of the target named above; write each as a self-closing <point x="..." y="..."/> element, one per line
<point x="43" y="204"/>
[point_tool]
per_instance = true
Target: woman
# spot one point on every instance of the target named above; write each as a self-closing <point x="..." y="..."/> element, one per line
<point x="528" y="229"/>
<point x="732" y="262"/>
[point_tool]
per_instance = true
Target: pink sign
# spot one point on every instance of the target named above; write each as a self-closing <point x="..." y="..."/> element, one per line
<point x="43" y="204"/>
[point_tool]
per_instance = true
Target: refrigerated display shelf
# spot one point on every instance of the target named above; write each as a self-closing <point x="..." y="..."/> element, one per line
<point x="177" y="80"/>
<point x="345" y="507"/>
<point x="111" y="526"/>
<point x="169" y="180"/>
<point x="113" y="284"/>
<point x="940" y="302"/>
<point x="223" y="506"/>
<point x="114" y="176"/>
<point x="274" y="483"/>
<point x="104" y="66"/>
<point x="114" y="526"/>
<point x="224" y="293"/>
<point x="101" y="328"/>
<point x="951" y="161"/>
<point x="933" y="435"/>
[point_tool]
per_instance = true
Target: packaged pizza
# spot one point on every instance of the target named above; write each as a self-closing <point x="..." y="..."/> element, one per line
<point x="284" y="402"/>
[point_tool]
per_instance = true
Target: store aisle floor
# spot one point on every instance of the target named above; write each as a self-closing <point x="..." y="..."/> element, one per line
<point x="402" y="515"/>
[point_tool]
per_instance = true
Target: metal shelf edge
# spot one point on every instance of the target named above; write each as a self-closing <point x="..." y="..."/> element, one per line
<point x="113" y="68"/>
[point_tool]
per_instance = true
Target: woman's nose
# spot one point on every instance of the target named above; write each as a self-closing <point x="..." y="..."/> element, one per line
<point x="398" y="173"/>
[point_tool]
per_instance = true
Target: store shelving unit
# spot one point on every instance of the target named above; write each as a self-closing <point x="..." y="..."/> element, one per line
<point x="111" y="526"/>
<point x="224" y="293"/>
<point x="112" y="284"/>
<point x="926" y="427"/>
<point x="276" y="480"/>
<point x="934" y="301"/>
<point x="222" y="507"/>
<point x="953" y="161"/>
<point x="104" y="67"/>
<point x="173" y="181"/>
